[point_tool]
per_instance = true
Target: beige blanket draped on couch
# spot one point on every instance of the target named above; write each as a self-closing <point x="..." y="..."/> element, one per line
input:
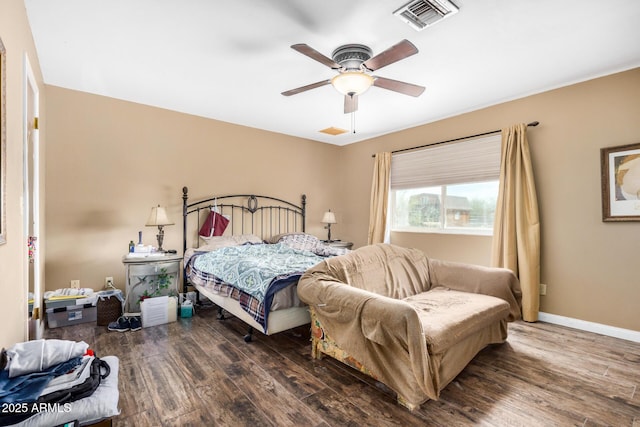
<point x="413" y="322"/>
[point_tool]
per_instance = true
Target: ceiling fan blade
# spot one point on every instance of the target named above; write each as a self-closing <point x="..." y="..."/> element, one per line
<point x="398" y="86"/>
<point x="395" y="53"/>
<point x="314" y="54"/>
<point x="305" y="88"/>
<point x="350" y="103"/>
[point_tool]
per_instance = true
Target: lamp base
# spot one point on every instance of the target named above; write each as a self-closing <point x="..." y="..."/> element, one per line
<point x="328" y="227"/>
<point x="160" y="237"/>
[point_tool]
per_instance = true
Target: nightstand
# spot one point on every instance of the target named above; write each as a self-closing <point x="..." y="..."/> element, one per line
<point x="150" y="276"/>
<point x="339" y="244"/>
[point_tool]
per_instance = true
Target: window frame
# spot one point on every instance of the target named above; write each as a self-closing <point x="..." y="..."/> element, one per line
<point x="457" y="155"/>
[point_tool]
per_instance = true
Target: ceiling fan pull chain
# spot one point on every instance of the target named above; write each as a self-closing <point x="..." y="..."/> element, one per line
<point x="353" y="122"/>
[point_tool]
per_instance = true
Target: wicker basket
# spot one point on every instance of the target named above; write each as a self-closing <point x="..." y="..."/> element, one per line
<point x="109" y="309"/>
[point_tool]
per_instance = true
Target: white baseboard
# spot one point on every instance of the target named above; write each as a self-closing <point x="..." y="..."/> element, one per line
<point x="583" y="325"/>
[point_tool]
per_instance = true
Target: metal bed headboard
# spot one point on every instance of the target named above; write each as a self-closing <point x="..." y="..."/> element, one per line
<point x="247" y="214"/>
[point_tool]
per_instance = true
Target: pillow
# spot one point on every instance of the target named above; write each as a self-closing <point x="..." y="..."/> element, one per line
<point x="300" y="241"/>
<point x="286" y="236"/>
<point x="215" y="242"/>
<point x="307" y="242"/>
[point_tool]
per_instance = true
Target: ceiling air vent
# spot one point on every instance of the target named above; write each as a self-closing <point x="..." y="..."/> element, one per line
<point x="422" y="13"/>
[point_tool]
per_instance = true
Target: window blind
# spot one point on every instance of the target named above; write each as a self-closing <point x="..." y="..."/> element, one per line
<point x="473" y="160"/>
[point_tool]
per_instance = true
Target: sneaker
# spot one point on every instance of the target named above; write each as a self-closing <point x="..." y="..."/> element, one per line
<point x="120" y="325"/>
<point x="135" y="324"/>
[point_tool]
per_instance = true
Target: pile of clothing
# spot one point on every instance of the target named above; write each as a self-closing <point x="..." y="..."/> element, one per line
<point x="69" y="293"/>
<point x="46" y="376"/>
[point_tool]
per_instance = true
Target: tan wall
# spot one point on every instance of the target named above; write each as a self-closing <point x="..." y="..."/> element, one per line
<point x="100" y="195"/>
<point x="458" y="247"/>
<point x="16" y="37"/>
<point x="590" y="267"/>
<point x="110" y="161"/>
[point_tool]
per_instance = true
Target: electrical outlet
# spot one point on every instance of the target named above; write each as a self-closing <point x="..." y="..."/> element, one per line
<point x="75" y="284"/>
<point x="543" y="289"/>
<point x="108" y="282"/>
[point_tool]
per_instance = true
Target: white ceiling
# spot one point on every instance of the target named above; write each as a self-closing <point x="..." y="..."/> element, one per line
<point x="230" y="60"/>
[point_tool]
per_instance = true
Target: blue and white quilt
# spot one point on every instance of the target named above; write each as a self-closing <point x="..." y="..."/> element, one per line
<point x="252" y="268"/>
<point x="257" y="270"/>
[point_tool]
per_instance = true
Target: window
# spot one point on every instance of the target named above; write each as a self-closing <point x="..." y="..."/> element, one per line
<point x="450" y="188"/>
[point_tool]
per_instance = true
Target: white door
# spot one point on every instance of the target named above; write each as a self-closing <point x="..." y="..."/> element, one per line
<point x="31" y="199"/>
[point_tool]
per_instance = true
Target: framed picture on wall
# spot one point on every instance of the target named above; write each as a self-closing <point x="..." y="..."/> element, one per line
<point x="620" y="168"/>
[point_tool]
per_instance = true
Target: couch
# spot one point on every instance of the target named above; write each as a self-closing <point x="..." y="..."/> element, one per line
<point x="409" y="321"/>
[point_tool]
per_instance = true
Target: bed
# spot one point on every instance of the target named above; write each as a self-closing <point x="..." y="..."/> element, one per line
<point x="264" y="241"/>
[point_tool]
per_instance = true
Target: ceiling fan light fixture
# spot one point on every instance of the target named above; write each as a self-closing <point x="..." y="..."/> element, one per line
<point x="352" y="82"/>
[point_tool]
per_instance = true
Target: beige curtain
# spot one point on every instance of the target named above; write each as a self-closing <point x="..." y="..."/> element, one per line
<point x="379" y="198"/>
<point x="516" y="233"/>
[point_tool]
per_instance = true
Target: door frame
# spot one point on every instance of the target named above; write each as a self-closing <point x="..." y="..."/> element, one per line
<point x="31" y="182"/>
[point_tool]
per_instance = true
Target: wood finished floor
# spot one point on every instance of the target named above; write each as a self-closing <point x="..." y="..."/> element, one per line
<point x="199" y="372"/>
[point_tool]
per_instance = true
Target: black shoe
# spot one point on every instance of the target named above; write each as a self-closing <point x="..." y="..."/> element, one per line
<point x="120" y="325"/>
<point x="135" y="324"/>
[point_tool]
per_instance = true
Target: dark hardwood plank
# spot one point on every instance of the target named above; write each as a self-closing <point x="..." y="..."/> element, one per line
<point x="559" y="390"/>
<point x="332" y="407"/>
<point x="200" y="372"/>
<point x="133" y="386"/>
<point x="138" y="419"/>
<point x="167" y="387"/>
<point x="271" y="397"/>
<point x="296" y="379"/>
<point x="226" y="405"/>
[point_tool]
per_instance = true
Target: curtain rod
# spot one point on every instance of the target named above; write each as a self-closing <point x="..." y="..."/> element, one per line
<point x="532" y="124"/>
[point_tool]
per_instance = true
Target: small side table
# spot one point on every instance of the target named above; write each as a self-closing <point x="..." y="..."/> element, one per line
<point x="339" y="244"/>
<point x="150" y="276"/>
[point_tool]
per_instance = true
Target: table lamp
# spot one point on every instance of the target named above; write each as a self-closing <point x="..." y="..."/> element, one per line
<point x="328" y="218"/>
<point x="158" y="217"/>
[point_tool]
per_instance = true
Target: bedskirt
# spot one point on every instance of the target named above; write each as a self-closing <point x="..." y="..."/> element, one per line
<point x="278" y="321"/>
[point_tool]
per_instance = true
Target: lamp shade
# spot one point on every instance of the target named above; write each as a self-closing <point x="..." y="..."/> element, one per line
<point x="158" y="216"/>
<point x="352" y="82"/>
<point x="328" y="218"/>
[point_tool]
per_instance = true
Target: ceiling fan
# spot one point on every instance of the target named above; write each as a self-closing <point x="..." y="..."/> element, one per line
<point x="354" y="63"/>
